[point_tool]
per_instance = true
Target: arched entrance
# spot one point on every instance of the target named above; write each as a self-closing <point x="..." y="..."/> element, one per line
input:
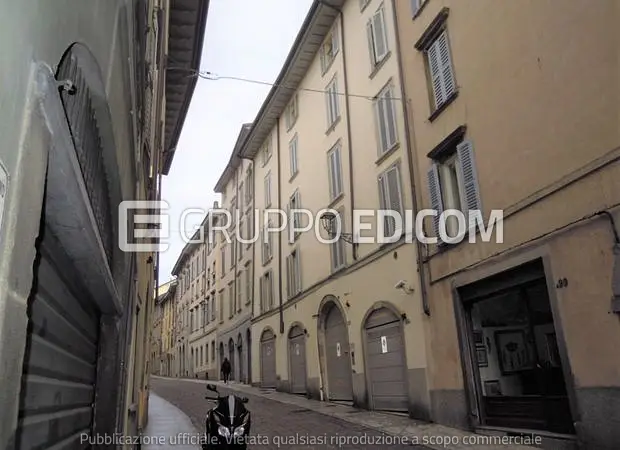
<point x="336" y="352"/>
<point x="268" y="359"/>
<point x="240" y="358"/>
<point x="297" y="360"/>
<point x="231" y="357"/>
<point x="386" y="366"/>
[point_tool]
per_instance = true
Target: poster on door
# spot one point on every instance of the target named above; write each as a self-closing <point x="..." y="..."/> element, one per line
<point x="384" y="348"/>
<point x="338" y="349"/>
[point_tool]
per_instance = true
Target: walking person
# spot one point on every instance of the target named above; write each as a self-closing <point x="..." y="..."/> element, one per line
<point x="226" y="370"/>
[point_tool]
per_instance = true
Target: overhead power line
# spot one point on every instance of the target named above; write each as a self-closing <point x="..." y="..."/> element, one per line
<point x="205" y="75"/>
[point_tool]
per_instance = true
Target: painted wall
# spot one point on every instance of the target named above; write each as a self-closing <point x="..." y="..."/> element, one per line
<point x="533" y="92"/>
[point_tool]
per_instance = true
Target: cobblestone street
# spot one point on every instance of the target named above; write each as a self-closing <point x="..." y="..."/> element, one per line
<point x="280" y="426"/>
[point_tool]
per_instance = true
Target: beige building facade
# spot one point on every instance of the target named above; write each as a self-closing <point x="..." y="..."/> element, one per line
<point x="510" y="111"/>
<point x="195" y="308"/>
<point x="338" y="321"/>
<point x="236" y="256"/>
<point x="167" y="307"/>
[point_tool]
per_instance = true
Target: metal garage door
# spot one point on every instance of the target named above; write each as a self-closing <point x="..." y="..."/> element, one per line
<point x="337" y="357"/>
<point x="61" y="355"/>
<point x="297" y="360"/>
<point x="385" y="361"/>
<point x="268" y="360"/>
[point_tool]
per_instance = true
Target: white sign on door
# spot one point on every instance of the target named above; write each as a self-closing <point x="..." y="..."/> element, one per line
<point x="338" y="349"/>
<point x="4" y="181"/>
<point x="384" y="344"/>
<point x="297" y="349"/>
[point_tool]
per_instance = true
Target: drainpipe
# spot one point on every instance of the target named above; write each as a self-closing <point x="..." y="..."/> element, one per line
<point x="349" y="133"/>
<point x="254" y="230"/>
<point x="280" y="307"/>
<point x="410" y="150"/>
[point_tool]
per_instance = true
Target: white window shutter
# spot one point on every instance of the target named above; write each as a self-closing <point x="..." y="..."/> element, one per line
<point x="371" y="43"/>
<point x="415" y="5"/>
<point x="434" y="65"/>
<point x="335" y="39"/>
<point x="467" y="167"/>
<point x="379" y="35"/>
<point x="434" y="189"/>
<point x="393" y="184"/>
<point x="447" y="76"/>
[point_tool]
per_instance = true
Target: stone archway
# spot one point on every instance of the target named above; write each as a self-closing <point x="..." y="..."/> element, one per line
<point x="334" y="351"/>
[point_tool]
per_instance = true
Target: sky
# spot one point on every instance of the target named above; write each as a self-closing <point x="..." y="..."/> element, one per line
<point x="244" y="38"/>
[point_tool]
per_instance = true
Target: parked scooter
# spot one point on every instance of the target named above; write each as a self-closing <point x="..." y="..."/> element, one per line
<point x="227" y="424"/>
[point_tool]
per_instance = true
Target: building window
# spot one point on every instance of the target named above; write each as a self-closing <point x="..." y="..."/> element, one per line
<point x="291" y="113"/>
<point x="239" y="300"/>
<point x="453" y="184"/>
<point x="249" y="183"/>
<point x="390" y="199"/>
<point x="268" y="190"/>
<point x="223" y="260"/>
<point x="329" y="49"/>
<point x="266" y="151"/>
<point x="241" y="192"/>
<point x="213" y="311"/>
<point x="332" y="102"/>
<point x="364" y="4"/>
<point x="233" y="248"/>
<point x="377" y="37"/>
<point x="266" y="292"/>
<point x="292" y="150"/>
<point x="266" y="241"/>
<point x="212" y="350"/>
<point x="248" y="283"/>
<point x="441" y="73"/>
<point x="231" y="300"/>
<point x="293" y="274"/>
<point x="334" y="164"/>
<point x="206" y="310"/>
<point x="385" y="115"/>
<point x="221" y="306"/>
<point x="415" y="6"/>
<point x="294" y="204"/>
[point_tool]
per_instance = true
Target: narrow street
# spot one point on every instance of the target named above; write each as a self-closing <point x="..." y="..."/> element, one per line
<point x="279" y="426"/>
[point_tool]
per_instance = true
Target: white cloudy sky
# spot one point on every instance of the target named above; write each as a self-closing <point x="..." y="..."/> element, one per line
<point x="244" y="38"/>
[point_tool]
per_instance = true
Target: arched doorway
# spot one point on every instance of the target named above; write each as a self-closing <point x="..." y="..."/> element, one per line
<point x="297" y="360"/>
<point x="337" y="357"/>
<point x="268" y="359"/>
<point x="248" y="342"/>
<point x="386" y="365"/>
<point x="240" y="358"/>
<point x="231" y="357"/>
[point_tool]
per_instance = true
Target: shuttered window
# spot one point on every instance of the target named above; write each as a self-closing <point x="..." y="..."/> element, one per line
<point x="337" y="249"/>
<point x="453" y="184"/>
<point x="377" y="37"/>
<point x="385" y="116"/>
<point x="390" y="198"/>
<point x="441" y="72"/>
<point x="330" y="48"/>
<point x="415" y="6"/>
<point x="266" y="290"/>
<point x="294" y="216"/>
<point x="292" y="150"/>
<point x="268" y="190"/>
<point x="266" y="241"/>
<point x="333" y="102"/>
<point x="335" y="173"/>
<point x="293" y="274"/>
<point x="248" y="283"/>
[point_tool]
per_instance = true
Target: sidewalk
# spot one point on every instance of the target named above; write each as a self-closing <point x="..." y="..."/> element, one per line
<point x="434" y="436"/>
<point x="168" y="427"/>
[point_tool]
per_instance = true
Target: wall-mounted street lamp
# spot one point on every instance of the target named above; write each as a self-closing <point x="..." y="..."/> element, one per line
<point x="328" y="220"/>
